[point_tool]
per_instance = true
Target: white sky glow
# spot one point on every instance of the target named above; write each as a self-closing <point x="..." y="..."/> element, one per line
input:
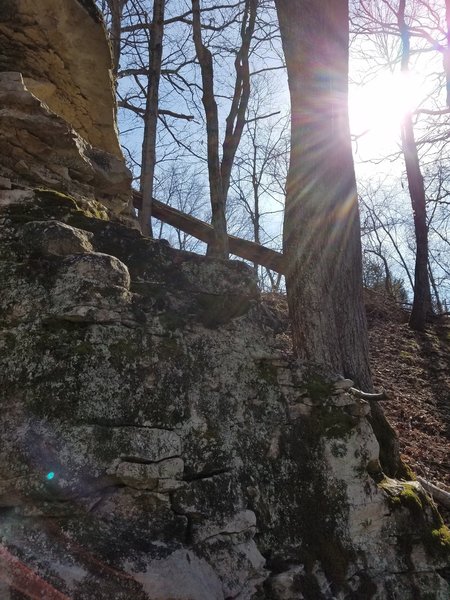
<point x="376" y="109"/>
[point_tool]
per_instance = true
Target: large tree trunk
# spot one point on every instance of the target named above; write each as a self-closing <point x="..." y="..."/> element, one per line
<point x="151" y="116"/>
<point x="422" y="305"/>
<point x="321" y="227"/>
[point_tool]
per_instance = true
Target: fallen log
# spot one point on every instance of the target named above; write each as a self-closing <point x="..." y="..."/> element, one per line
<point x="204" y="232"/>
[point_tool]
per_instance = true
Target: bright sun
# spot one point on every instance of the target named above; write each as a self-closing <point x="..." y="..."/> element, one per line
<point x="377" y="108"/>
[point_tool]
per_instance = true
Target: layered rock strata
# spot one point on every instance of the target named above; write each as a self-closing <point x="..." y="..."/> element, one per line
<point x="39" y="148"/>
<point x="57" y="104"/>
<point x="61" y="50"/>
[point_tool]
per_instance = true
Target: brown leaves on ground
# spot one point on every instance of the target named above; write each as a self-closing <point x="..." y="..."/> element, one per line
<point x="414" y="369"/>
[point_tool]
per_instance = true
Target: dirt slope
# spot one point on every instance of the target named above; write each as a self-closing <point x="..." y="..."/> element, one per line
<point x="414" y="369"/>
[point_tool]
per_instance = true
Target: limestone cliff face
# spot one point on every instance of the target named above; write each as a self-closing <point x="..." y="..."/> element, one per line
<point x="57" y="116"/>
<point x="39" y="148"/>
<point x="156" y="441"/>
<point x="61" y="50"/>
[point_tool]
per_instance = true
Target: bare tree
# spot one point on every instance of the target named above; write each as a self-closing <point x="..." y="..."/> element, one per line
<point x="116" y="8"/>
<point x="422" y="307"/>
<point x="446" y="52"/>
<point x="219" y="169"/>
<point x="151" y="116"/>
<point x="416" y="27"/>
<point x="182" y="189"/>
<point x="220" y="246"/>
<point x="259" y="177"/>
<point x="385" y="226"/>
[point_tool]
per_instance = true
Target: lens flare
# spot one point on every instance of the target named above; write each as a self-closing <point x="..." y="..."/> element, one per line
<point x="378" y="108"/>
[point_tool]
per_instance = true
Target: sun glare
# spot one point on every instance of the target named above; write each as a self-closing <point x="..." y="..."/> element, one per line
<point x="377" y="108"/>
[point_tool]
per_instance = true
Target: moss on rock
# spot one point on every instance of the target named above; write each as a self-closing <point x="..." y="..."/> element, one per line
<point x="317" y="387"/>
<point x="440" y="540"/>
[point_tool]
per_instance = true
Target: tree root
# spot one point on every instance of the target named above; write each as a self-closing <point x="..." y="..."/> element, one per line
<point x="366" y="396"/>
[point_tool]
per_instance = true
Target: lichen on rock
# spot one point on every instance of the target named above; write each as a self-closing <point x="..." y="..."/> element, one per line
<point x="169" y="435"/>
<point x="156" y="441"/>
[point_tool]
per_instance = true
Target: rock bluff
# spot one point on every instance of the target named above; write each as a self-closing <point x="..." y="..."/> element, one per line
<point x="156" y="440"/>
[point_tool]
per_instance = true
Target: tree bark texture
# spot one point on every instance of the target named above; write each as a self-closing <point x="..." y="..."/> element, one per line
<point x="321" y="238"/>
<point x="422" y="305"/>
<point x="219" y="247"/>
<point x="151" y="116"/>
<point x="321" y="227"/>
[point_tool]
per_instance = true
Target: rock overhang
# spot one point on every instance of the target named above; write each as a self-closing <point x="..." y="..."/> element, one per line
<point x="61" y="49"/>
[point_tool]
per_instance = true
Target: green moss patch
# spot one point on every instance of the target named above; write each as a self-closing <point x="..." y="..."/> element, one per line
<point x="51" y="204"/>
<point x="218" y="309"/>
<point x="53" y="197"/>
<point x="429" y="525"/>
<point x="439" y="541"/>
<point x="54" y="200"/>
<point x="267" y="371"/>
<point x="318" y="388"/>
<point x="404" y="494"/>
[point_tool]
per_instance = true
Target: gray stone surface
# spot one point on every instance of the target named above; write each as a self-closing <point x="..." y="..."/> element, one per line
<point x="157" y="443"/>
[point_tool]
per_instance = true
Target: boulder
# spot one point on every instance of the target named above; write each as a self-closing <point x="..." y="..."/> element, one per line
<point x="157" y="439"/>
